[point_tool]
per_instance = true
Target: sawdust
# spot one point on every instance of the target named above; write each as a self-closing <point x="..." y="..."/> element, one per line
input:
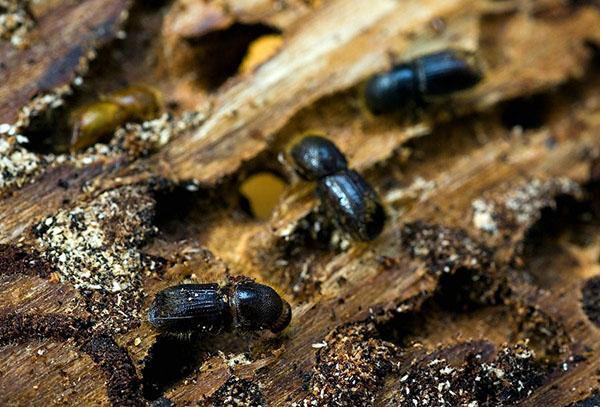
<point x="15" y="22"/>
<point x="17" y="165"/>
<point x="475" y="381"/>
<point x="99" y="259"/>
<point x="349" y="368"/>
<point x="520" y="206"/>
<point x="238" y="392"/>
<point x="141" y="139"/>
<point x="444" y="249"/>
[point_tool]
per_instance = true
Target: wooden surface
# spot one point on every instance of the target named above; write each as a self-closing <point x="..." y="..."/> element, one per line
<point x="492" y="199"/>
<point x="58" y="49"/>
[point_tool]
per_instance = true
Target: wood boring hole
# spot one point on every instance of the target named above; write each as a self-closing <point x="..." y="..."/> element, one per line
<point x="260" y="193"/>
<point x="458" y="303"/>
<point x="170" y="360"/>
<point x="551" y="244"/>
<point x="528" y="113"/>
<point x="49" y="132"/>
<point x="173" y="358"/>
<point x="186" y="210"/>
<point x="219" y="54"/>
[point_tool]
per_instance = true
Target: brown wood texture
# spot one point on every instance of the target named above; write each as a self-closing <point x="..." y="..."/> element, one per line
<point x="58" y="49"/>
<point x="483" y="288"/>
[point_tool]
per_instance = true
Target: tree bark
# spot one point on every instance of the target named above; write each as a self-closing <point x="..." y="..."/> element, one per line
<point x="483" y="288"/>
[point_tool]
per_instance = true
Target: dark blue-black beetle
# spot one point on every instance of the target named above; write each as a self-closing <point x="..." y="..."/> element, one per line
<point x="354" y="205"/>
<point x="353" y="202"/>
<point x="435" y="74"/>
<point x="210" y="308"/>
<point x="316" y="157"/>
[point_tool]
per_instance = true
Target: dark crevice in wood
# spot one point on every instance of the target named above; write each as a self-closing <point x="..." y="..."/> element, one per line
<point x="173" y="358"/>
<point x="182" y="209"/>
<point x="457" y="296"/>
<point x="528" y="112"/>
<point x="169" y="360"/>
<point x="220" y="53"/>
<point x="570" y="221"/>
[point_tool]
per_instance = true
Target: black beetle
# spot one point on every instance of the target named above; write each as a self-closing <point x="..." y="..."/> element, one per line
<point x="316" y="157"/>
<point x="210" y="308"/>
<point x="435" y="74"/>
<point x="352" y="202"/>
<point x="355" y="205"/>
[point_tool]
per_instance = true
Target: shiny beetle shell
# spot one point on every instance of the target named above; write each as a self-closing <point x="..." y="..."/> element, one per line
<point x="392" y="90"/>
<point x="92" y="122"/>
<point x="188" y="307"/>
<point x="210" y="308"/>
<point x="431" y="75"/>
<point x="446" y="72"/>
<point x="353" y="203"/>
<point x="140" y="102"/>
<point x="316" y="157"/>
<point x="257" y="306"/>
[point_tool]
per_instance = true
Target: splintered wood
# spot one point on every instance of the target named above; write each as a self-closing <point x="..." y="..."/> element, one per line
<point x="482" y="289"/>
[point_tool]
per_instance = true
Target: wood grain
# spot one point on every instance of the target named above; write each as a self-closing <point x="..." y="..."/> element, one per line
<point x="492" y="226"/>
